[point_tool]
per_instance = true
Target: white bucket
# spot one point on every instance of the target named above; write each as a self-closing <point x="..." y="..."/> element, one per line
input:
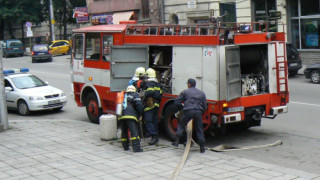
<point x="108" y="127"/>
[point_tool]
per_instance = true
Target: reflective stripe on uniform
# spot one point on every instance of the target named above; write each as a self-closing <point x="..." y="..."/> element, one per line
<point x="135" y="138"/>
<point x="124" y="139"/>
<point x="150" y="89"/>
<point x="149" y="108"/>
<point x="128" y="117"/>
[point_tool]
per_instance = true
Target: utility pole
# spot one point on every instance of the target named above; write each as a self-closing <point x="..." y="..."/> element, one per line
<point x="52" y="21"/>
<point x="3" y="106"/>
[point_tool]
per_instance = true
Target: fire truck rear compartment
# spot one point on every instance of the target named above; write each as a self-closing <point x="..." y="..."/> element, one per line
<point x="160" y="59"/>
<point x="254" y="69"/>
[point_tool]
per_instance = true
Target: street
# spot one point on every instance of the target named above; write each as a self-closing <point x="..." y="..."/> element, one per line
<point x="298" y="129"/>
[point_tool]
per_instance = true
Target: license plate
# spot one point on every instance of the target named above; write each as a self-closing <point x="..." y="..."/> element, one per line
<point x="54" y="101"/>
<point x="294" y="64"/>
<point x="40" y="53"/>
<point x="235" y="109"/>
<point x="15" y="48"/>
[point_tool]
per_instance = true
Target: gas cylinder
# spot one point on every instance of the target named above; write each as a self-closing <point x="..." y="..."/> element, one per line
<point x="119" y="102"/>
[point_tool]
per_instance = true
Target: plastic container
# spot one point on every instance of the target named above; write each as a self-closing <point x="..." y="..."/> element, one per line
<point x="108" y="127"/>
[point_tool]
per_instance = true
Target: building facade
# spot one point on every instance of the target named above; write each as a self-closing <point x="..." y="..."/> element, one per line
<point x="114" y="11"/>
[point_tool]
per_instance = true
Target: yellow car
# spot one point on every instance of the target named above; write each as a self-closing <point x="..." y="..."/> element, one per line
<point x="60" y="47"/>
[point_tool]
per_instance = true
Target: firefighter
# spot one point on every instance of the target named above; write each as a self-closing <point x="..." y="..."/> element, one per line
<point x="152" y="99"/>
<point x="195" y="104"/>
<point x="138" y="80"/>
<point x="131" y="114"/>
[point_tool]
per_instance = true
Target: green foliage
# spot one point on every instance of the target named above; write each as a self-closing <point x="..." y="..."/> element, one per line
<point x="20" y="11"/>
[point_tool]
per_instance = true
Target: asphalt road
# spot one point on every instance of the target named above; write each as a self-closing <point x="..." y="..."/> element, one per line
<point x="298" y="129"/>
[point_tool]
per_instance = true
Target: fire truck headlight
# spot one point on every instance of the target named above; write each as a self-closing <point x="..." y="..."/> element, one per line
<point x="225" y="105"/>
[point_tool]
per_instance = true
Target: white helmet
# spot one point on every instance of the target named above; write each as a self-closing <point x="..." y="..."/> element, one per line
<point x="151" y="73"/>
<point x="131" y="89"/>
<point x="140" y="71"/>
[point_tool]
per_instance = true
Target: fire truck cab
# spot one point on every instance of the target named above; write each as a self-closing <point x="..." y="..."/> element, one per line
<point x="242" y="72"/>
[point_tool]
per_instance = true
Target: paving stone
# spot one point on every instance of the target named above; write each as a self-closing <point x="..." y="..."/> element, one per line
<point x="69" y="150"/>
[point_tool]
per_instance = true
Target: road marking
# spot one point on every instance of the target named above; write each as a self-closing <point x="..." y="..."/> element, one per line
<point x="308" y="104"/>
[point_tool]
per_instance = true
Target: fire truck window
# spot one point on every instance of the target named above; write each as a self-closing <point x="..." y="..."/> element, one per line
<point x="93" y="46"/>
<point x="78" y="47"/>
<point x="107" y="44"/>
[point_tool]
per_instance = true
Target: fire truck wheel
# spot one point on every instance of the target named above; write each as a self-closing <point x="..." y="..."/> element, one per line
<point x="92" y="107"/>
<point x="315" y="76"/>
<point x="170" y="122"/>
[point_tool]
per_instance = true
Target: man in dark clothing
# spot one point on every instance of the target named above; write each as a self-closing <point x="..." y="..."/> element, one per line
<point x="195" y="104"/>
<point x="132" y="109"/>
<point x="152" y="99"/>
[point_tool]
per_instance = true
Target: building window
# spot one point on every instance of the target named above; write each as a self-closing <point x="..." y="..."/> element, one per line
<point x="228" y="9"/>
<point x="262" y="12"/>
<point x="93" y="46"/>
<point x="309" y="7"/>
<point x="294" y="8"/>
<point x="145" y="9"/>
<point x="310" y="33"/>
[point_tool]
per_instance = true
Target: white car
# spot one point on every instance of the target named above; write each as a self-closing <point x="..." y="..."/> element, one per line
<point x="26" y="92"/>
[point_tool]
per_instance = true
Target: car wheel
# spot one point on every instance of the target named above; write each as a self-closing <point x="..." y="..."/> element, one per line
<point x="315" y="76"/>
<point x="170" y="122"/>
<point x="23" y="108"/>
<point x="5" y="55"/>
<point x="33" y="61"/>
<point x="21" y="55"/>
<point x="92" y="107"/>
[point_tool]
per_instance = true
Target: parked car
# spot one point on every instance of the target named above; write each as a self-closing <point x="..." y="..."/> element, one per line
<point x="60" y="47"/>
<point x="26" y="92"/>
<point x="40" y="52"/>
<point x="312" y="72"/>
<point x="293" y="59"/>
<point x="12" y="47"/>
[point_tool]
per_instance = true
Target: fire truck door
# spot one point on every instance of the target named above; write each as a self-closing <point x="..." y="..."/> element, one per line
<point x="124" y="61"/>
<point x="233" y="72"/>
<point x="77" y="68"/>
<point x="187" y="63"/>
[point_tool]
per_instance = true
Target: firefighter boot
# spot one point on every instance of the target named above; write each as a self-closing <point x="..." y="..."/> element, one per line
<point x="175" y="142"/>
<point x="136" y="146"/>
<point x="202" y="149"/>
<point x="125" y="145"/>
<point x="154" y="140"/>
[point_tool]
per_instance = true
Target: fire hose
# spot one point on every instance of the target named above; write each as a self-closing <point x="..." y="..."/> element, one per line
<point x="220" y="148"/>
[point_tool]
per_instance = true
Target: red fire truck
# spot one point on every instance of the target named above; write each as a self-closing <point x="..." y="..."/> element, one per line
<point x="241" y="67"/>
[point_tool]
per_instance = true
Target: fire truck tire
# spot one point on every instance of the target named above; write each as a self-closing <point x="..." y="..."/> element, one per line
<point x="92" y="107"/>
<point x="170" y="122"/>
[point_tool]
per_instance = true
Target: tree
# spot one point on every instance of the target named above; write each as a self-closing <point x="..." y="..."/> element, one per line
<point x="63" y="11"/>
<point x="18" y="12"/>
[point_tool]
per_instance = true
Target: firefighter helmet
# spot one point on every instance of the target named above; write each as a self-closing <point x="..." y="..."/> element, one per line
<point x="131" y="88"/>
<point x="140" y="71"/>
<point x="151" y="73"/>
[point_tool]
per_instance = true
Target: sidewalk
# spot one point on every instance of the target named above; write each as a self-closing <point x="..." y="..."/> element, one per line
<point x="67" y="149"/>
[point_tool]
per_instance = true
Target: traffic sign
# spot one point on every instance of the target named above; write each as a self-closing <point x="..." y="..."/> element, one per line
<point x="29" y="33"/>
<point x="29" y="24"/>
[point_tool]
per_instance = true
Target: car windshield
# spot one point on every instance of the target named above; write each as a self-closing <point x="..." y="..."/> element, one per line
<point x="16" y="44"/>
<point x="25" y="82"/>
<point x="40" y="48"/>
<point x="50" y="43"/>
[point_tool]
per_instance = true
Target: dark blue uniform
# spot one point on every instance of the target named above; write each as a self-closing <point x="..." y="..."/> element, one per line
<point x="132" y="110"/>
<point x="195" y="105"/>
<point x="152" y="99"/>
